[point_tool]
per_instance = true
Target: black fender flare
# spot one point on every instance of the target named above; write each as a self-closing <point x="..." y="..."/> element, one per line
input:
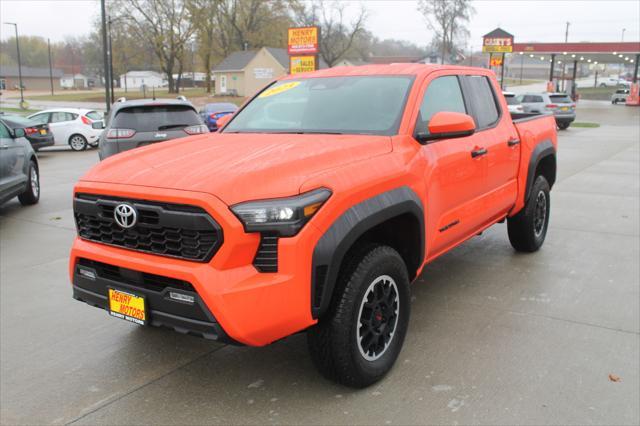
<point x="542" y="150"/>
<point x="331" y="248"/>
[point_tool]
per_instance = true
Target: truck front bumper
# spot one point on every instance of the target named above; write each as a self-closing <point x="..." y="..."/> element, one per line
<point x="236" y="302"/>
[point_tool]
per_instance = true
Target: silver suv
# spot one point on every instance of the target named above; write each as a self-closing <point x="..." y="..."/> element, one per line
<point x="132" y="124"/>
<point x="560" y="104"/>
<point x="19" y="171"/>
<point x="620" y="96"/>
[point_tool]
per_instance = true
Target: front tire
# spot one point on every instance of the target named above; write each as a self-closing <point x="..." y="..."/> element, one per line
<point x="78" y="142"/>
<point x="528" y="229"/>
<point x="359" y="339"/>
<point x="31" y="195"/>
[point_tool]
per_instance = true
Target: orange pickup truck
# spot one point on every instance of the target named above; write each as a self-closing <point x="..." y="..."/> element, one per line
<point x="312" y="210"/>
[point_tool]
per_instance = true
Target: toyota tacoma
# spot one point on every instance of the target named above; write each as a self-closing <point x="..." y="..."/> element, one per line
<point x="313" y="209"/>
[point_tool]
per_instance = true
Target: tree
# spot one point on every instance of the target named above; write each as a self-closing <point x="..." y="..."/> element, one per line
<point x="337" y="37"/>
<point x="447" y="18"/>
<point x="165" y="25"/>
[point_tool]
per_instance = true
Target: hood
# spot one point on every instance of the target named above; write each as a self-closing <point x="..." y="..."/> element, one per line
<point x="237" y="167"/>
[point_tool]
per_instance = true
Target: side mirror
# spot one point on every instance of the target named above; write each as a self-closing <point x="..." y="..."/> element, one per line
<point x="222" y="121"/>
<point x="98" y="125"/>
<point x="18" y="133"/>
<point x="447" y="125"/>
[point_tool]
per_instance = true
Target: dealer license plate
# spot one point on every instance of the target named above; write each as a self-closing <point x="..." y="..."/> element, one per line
<point x="127" y="306"/>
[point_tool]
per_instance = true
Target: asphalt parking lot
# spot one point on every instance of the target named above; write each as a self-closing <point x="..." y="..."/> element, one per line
<point x="495" y="337"/>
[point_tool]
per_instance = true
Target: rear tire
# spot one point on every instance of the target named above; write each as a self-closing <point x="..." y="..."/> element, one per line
<point x="563" y="126"/>
<point x="31" y="195"/>
<point x="78" y="142"/>
<point x="359" y="339"/>
<point x="528" y="229"/>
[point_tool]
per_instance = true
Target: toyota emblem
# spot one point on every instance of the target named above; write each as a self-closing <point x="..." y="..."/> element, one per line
<point x="125" y="215"/>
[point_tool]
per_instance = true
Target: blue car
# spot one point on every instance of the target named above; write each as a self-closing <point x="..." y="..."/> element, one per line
<point x="212" y="112"/>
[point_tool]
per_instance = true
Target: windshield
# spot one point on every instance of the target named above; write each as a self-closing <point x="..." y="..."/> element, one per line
<point x="152" y="118"/>
<point x="352" y="105"/>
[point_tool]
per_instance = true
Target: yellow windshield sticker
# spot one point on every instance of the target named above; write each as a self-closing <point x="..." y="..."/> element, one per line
<point x="279" y="89"/>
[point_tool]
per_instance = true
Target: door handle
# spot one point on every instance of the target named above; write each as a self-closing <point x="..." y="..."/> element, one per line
<point x="478" y="152"/>
<point x="513" y="142"/>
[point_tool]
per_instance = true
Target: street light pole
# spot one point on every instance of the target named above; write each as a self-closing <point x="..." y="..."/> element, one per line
<point x="105" y="55"/>
<point x="19" y="63"/>
<point x="622" y="38"/>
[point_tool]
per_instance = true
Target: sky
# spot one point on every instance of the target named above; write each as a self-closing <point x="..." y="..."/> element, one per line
<point x="542" y="21"/>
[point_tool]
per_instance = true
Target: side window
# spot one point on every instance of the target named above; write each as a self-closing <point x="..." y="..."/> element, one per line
<point x="41" y="118"/>
<point x="4" y="132"/>
<point x="58" y="117"/>
<point x="538" y="99"/>
<point x="442" y="94"/>
<point x="485" y="108"/>
<point x="71" y="116"/>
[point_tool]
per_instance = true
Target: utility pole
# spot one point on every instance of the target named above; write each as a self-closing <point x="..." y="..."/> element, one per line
<point x="50" y="66"/>
<point x="622" y="38"/>
<point x="566" y="32"/>
<point x="105" y="54"/>
<point x="19" y="64"/>
<point x="110" y="63"/>
<point x="564" y="61"/>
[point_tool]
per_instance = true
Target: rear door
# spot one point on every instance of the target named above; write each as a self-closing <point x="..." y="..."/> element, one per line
<point x="496" y="133"/>
<point x="61" y="125"/>
<point x="455" y="180"/>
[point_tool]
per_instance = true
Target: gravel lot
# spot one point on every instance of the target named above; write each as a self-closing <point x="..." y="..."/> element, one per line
<point x="495" y="337"/>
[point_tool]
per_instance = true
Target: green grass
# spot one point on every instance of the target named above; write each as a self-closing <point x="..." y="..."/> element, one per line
<point x="97" y="95"/>
<point x="586" y="125"/>
<point x="18" y="111"/>
<point x="510" y="82"/>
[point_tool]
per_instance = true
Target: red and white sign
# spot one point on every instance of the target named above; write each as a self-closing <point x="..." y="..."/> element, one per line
<point x="303" y="40"/>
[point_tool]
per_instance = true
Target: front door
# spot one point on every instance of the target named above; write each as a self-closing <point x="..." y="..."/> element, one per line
<point x="11" y="162"/>
<point x="223" y="84"/>
<point x="60" y="126"/>
<point x="455" y="179"/>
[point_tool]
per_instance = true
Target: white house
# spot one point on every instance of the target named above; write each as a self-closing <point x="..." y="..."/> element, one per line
<point x="74" y="81"/>
<point x="137" y="79"/>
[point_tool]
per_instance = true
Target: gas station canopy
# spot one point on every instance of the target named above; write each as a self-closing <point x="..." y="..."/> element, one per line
<point x="595" y="53"/>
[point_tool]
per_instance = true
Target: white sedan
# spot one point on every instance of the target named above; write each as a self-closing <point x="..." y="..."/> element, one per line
<point x="71" y="126"/>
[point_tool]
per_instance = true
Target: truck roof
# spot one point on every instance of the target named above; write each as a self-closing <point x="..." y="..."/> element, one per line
<point x="384" y="69"/>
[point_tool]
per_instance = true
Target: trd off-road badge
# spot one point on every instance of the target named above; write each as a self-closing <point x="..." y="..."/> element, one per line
<point x="125" y="215"/>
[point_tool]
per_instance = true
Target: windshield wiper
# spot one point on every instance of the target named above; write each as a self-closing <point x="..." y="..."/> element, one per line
<point x="309" y="132"/>
<point x="171" y="126"/>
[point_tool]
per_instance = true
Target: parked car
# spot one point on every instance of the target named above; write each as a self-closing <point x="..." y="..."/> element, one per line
<point x="315" y="218"/>
<point x="560" y="104"/>
<point x="614" y="82"/>
<point x="19" y="171"/>
<point x="37" y="134"/>
<point x="132" y="124"/>
<point x="620" y="96"/>
<point x="211" y="113"/>
<point x="71" y="126"/>
<point x="513" y="103"/>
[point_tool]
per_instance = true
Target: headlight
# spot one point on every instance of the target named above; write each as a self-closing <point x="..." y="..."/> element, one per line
<point x="286" y="216"/>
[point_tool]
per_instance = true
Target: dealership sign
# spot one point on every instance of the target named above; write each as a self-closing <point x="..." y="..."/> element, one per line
<point x="300" y="64"/>
<point x="303" y="40"/>
<point x="497" y="41"/>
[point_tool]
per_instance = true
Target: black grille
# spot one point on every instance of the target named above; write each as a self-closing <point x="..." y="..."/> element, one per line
<point x="172" y="230"/>
<point x="266" y="259"/>
<point x="139" y="279"/>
